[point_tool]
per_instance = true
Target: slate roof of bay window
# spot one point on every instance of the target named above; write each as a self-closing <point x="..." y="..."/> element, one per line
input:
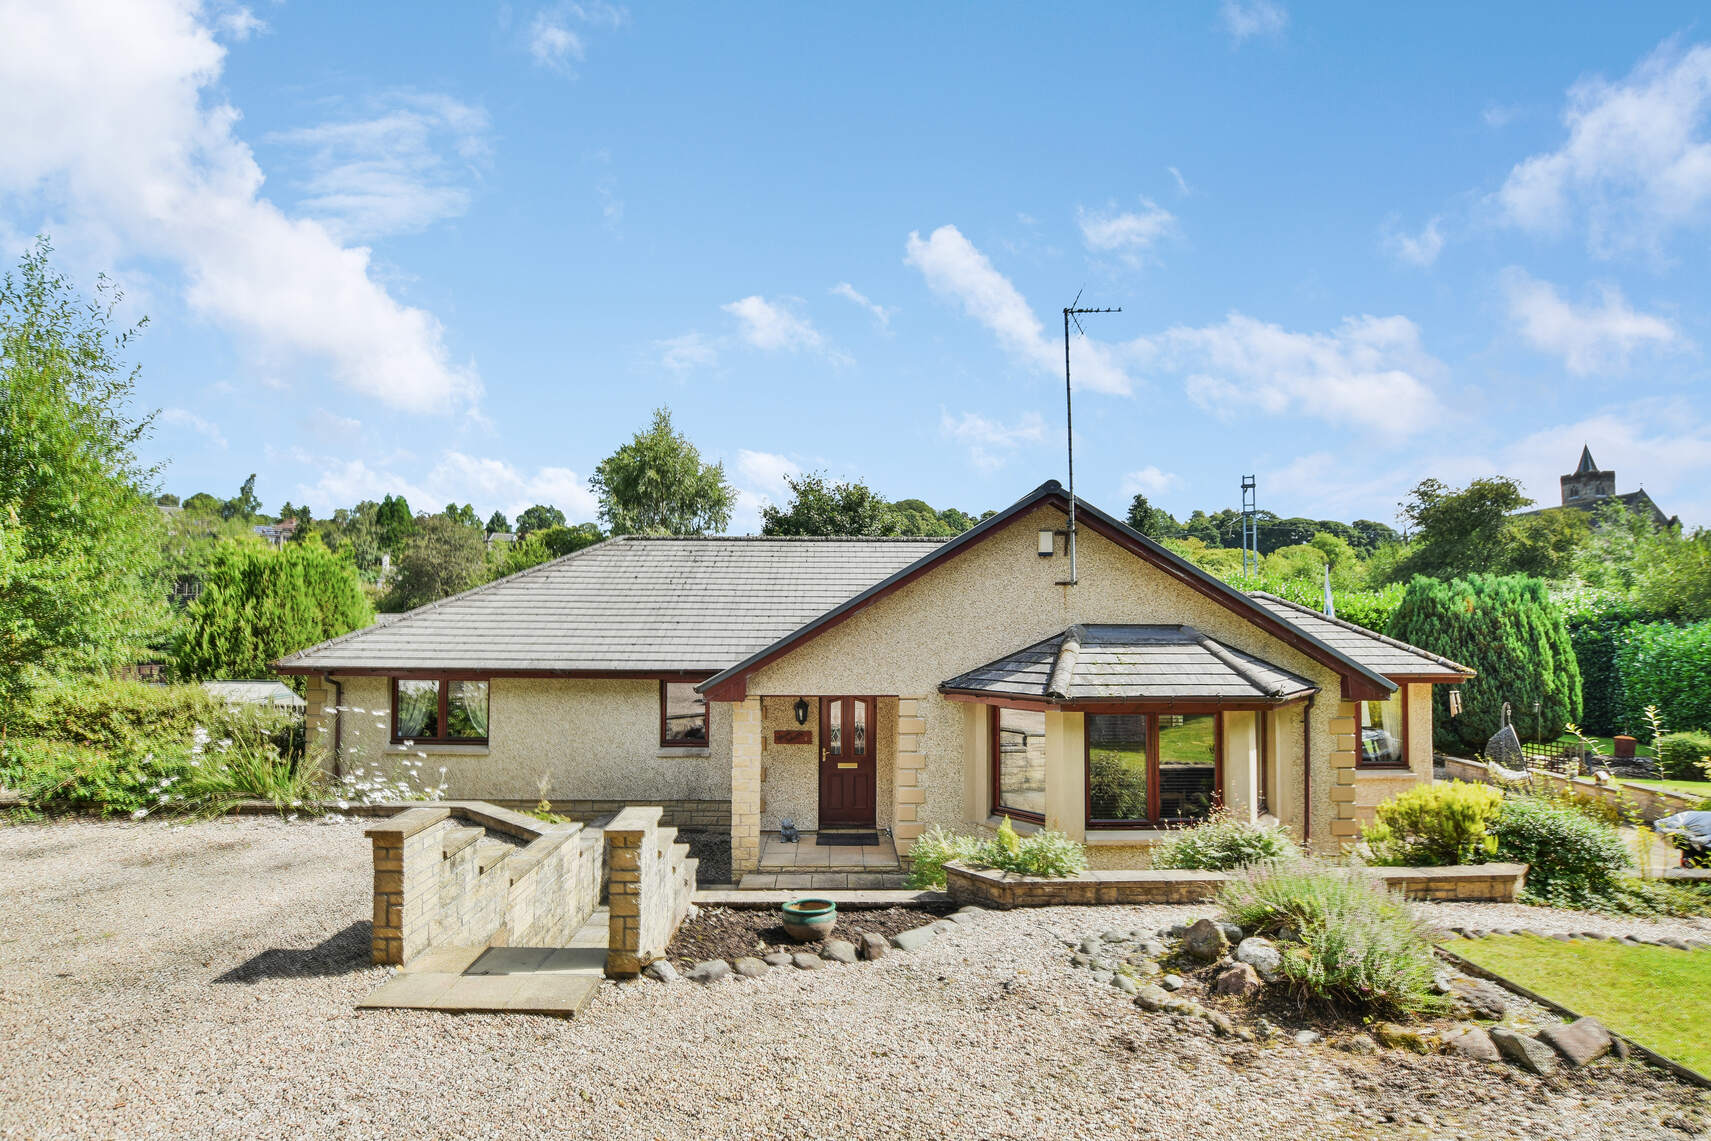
<point x="628" y="604"/>
<point x="1371" y="649"/>
<point x="1131" y="663"/>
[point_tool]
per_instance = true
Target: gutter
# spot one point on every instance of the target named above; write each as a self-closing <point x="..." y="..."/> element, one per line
<point x="1307" y="773"/>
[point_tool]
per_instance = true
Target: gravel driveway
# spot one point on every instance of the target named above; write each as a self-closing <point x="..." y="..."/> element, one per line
<point x="198" y="981"/>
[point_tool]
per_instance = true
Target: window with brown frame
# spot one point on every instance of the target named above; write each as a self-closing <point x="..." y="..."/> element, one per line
<point x="682" y="716"/>
<point x="1019" y="763"/>
<point x="1384" y="732"/>
<point x="439" y="711"/>
<point x="1146" y="769"/>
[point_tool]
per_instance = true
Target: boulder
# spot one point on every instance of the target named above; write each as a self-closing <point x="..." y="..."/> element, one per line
<point x="1152" y="949"/>
<point x="913" y="940"/>
<point x="838" y="951"/>
<point x="1579" y="1042"/>
<point x="1308" y="1037"/>
<point x="710" y="971"/>
<point x="662" y="970"/>
<point x="1262" y="956"/>
<point x="750" y="967"/>
<point x="1090" y="946"/>
<point x="1358" y="1044"/>
<point x="1231" y="932"/>
<point x="1469" y="1041"/>
<point x="1125" y="983"/>
<point x="1399" y="1037"/>
<point x="1141" y="968"/>
<point x="1219" y="1021"/>
<point x="874" y="946"/>
<point x="1150" y="997"/>
<point x="1528" y="1053"/>
<point x="1481" y="996"/>
<point x="1171" y="982"/>
<point x="776" y="959"/>
<point x="1239" y="981"/>
<point x="1080" y="960"/>
<point x="1205" y="941"/>
<point x="1114" y="936"/>
<point x="1101" y="964"/>
<point x="803" y="961"/>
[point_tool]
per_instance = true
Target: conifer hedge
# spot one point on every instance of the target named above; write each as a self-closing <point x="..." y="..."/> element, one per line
<point x="1507" y="628"/>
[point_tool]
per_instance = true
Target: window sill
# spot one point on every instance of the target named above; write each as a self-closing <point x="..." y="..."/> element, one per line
<point x="1127" y="837"/>
<point x="683" y="751"/>
<point x="441" y="748"/>
<point x="1022" y="825"/>
<point x="1385" y="770"/>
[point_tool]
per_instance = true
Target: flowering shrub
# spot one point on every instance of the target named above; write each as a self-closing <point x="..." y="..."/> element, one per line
<point x="1344" y="937"/>
<point x="1042" y="853"/>
<point x="1223" y="843"/>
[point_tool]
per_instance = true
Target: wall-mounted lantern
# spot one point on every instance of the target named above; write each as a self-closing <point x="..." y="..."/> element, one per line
<point x="801" y="710"/>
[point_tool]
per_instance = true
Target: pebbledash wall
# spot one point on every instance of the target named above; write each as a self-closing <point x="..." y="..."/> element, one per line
<point x="1000" y="595"/>
<point x="596" y="742"/>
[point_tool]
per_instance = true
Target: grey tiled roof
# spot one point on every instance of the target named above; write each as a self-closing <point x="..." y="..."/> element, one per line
<point x="628" y="604"/>
<point x="1132" y="663"/>
<point x="1371" y="649"/>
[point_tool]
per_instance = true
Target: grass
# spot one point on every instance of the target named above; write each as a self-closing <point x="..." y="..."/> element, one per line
<point x="1658" y="996"/>
<point x="1606" y="745"/>
<point x="1698" y="788"/>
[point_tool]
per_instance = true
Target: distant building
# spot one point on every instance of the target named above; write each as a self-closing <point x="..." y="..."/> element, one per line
<point x="277" y="534"/>
<point x="1588" y="488"/>
<point x="505" y="537"/>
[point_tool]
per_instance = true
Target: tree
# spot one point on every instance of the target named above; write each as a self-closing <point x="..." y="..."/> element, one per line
<point x="393" y="523"/>
<point x="202" y="504"/>
<point x="441" y="559"/>
<point x="167" y="499"/>
<point x="657" y="485"/>
<point x="1153" y="522"/>
<point x="464" y="516"/>
<point x="918" y="517"/>
<point x="957" y="521"/>
<point x="561" y="541"/>
<point x="245" y="504"/>
<point x="497" y="524"/>
<point x="1544" y="544"/>
<point x="1459" y="532"/>
<point x="1507" y="628"/>
<point x="79" y="538"/>
<point x="820" y="507"/>
<point x="1371" y="535"/>
<point x="258" y="604"/>
<point x="538" y="518"/>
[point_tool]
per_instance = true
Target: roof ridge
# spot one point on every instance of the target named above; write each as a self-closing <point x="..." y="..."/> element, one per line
<point x="1237" y="661"/>
<point x="1359" y="629"/>
<point x="1063" y="670"/>
<point x="785" y="538"/>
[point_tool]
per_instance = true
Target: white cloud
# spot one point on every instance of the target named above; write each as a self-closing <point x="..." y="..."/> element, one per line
<point x="953" y="268"/>
<point x="1420" y="249"/>
<point x="184" y="418"/>
<point x="240" y="23"/>
<point x="1589" y="338"/>
<point x="331" y="426"/>
<point x="170" y="179"/>
<point x="387" y="173"/>
<point x="760" y="482"/>
<point x="454" y="478"/>
<point x="1636" y="163"/>
<point x="1149" y="481"/>
<point x="771" y="326"/>
<point x="990" y="442"/>
<point x="1371" y="373"/>
<point x="1182" y="186"/>
<point x="849" y="292"/>
<point x="1664" y="445"/>
<point x="553" y="41"/>
<point x="687" y="353"/>
<point x="1245" y="19"/>
<point x="1496" y="115"/>
<point x="1126" y="233"/>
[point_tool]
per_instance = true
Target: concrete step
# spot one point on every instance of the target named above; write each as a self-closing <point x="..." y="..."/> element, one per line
<point x="457" y="839"/>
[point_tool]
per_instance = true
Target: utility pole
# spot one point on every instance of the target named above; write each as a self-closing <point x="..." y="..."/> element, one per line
<point x="1250" y="526"/>
<point x="1072" y="313"/>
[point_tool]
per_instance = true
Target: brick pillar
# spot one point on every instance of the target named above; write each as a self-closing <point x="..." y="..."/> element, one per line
<point x="745" y="786"/>
<point x="909" y="776"/>
<point x="628" y="837"/>
<point x="406" y="882"/>
<point x="1345" y="746"/>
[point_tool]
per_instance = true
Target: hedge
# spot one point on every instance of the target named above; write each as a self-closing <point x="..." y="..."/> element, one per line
<point x="1595" y="631"/>
<point x="1669" y="667"/>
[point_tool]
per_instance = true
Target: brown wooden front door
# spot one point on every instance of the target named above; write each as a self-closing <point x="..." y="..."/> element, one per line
<point x="848" y="774"/>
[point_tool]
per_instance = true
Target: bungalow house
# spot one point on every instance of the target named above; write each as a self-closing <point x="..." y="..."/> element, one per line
<point x="890" y="684"/>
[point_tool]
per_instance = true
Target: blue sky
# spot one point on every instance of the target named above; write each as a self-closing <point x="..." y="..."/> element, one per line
<point x="460" y="252"/>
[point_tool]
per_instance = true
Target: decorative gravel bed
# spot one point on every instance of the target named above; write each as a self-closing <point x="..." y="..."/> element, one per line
<point x="199" y="980"/>
<point x="732" y="932"/>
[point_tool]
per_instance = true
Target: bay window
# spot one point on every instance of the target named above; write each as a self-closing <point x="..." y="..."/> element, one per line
<point x="1147" y="769"/>
<point x="1019" y="763"/>
<point x="439" y="711"/>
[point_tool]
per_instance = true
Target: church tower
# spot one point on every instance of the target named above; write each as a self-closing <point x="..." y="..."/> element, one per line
<point x="1587" y="484"/>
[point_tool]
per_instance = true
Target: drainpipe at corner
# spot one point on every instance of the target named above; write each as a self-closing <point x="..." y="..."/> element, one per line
<point x="338" y="724"/>
<point x="1307" y="774"/>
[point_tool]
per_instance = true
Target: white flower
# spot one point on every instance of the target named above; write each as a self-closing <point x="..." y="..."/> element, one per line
<point x="139" y="814"/>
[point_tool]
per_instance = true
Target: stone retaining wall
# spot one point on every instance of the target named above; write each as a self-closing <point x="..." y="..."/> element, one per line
<point x="1651" y="803"/>
<point x="440" y="879"/>
<point x="648" y="895"/>
<point x="684" y="815"/>
<point x="1482" y="883"/>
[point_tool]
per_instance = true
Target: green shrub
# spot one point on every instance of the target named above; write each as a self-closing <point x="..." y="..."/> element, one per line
<point x="1595" y="628"/>
<point x="1683" y="756"/>
<point x="1344" y="938"/>
<point x="1042" y="853"/>
<point x="1223" y="843"/>
<point x="1507" y="628"/>
<point x="1573" y="860"/>
<point x="1435" y="825"/>
<point x="1666" y="666"/>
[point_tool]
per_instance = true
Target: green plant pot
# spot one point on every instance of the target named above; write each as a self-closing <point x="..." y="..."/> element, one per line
<point x="808" y="919"/>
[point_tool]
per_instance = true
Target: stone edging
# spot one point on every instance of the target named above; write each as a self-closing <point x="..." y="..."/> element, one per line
<point x="988" y="887"/>
<point x="1468" y="966"/>
<point x="869" y="948"/>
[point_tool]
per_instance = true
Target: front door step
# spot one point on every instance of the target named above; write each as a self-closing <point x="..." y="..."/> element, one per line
<point x="556" y="981"/>
<point x="822" y="881"/>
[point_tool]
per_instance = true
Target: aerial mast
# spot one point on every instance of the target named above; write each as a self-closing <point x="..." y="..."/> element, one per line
<point x="1072" y="313"/>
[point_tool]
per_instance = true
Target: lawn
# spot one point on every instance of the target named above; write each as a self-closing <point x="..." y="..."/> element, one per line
<point x="1699" y="788"/>
<point x="1606" y="746"/>
<point x="1658" y="996"/>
